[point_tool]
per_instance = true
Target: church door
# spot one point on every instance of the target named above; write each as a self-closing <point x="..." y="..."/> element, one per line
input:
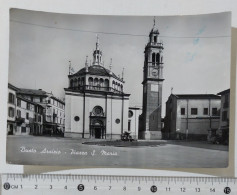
<point x="98" y="133"/>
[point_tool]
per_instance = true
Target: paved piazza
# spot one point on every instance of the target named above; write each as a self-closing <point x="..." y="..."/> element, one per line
<point x="67" y="151"/>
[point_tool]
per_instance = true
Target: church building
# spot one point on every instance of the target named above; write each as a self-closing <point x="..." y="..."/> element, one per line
<point x="150" y="120"/>
<point x="96" y="105"/>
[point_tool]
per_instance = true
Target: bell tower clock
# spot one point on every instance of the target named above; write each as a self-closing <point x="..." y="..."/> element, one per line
<point x="152" y="87"/>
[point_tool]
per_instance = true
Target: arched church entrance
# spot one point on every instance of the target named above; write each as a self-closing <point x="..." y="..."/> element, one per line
<point x="97" y="123"/>
<point x="98" y="130"/>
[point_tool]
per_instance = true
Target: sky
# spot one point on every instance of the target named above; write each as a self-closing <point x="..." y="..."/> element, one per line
<point x="196" y="50"/>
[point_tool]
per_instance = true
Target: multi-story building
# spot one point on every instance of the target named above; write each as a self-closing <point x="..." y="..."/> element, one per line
<point x="29" y="117"/>
<point x="34" y="112"/>
<point x="191" y="116"/>
<point x="24" y="116"/>
<point x="54" y="115"/>
<point x="223" y="130"/>
<point x="11" y="118"/>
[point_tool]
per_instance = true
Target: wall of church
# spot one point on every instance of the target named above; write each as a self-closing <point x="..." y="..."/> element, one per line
<point x="91" y="101"/>
<point x="116" y="121"/>
<point x="117" y="117"/>
<point x="77" y="111"/>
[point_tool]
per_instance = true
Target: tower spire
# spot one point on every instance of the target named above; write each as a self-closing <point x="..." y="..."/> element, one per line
<point x="110" y="65"/>
<point x="123" y="73"/>
<point x="97" y="54"/>
<point x="154" y="22"/>
<point x="86" y="64"/>
<point x="70" y="66"/>
<point x="97" y="42"/>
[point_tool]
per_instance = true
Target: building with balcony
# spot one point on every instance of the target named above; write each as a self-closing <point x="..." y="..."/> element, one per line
<point x="223" y="130"/>
<point x="11" y="109"/>
<point x="191" y="116"/>
<point x="24" y="116"/>
<point x="29" y="117"/>
<point x="35" y="112"/>
<point x="54" y="114"/>
<point x="96" y="104"/>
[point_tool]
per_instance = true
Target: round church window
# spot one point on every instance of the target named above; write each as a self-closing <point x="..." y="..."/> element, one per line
<point x="117" y="120"/>
<point x="98" y="110"/>
<point x="130" y="113"/>
<point x="76" y="118"/>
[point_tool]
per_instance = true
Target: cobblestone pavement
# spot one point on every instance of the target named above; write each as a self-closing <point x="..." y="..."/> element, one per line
<point x="150" y="154"/>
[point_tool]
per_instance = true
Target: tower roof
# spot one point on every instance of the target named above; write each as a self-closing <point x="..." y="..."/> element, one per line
<point x="154" y="29"/>
<point x="96" y="70"/>
<point x="196" y="96"/>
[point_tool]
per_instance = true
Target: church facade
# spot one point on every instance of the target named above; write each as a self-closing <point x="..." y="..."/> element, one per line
<point x="96" y="105"/>
<point x="150" y="124"/>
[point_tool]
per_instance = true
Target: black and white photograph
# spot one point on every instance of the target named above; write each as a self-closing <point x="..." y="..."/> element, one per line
<point x="119" y="91"/>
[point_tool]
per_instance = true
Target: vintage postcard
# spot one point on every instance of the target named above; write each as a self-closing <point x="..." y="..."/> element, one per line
<point x="119" y="91"/>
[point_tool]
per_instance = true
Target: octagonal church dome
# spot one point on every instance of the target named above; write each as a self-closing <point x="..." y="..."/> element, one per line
<point x="96" y="77"/>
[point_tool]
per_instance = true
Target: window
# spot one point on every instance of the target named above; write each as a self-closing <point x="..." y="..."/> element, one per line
<point x="32" y="99"/>
<point x="39" y="118"/>
<point x="129" y="125"/>
<point x="71" y="83"/>
<point x="35" y="118"/>
<point x="205" y="111"/>
<point x="153" y="58"/>
<point x="11" y="98"/>
<point x="11" y="112"/>
<point x="23" y="129"/>
<point x="28" y="106"/>
<point x="27" y="115"/>
<point x="130" y="114"/>
<point x="41" y="99"/>
<point x="214" y="112"/>
<point x="18" y="102"/>
<point x="76" y="118"/>
<point x="224" y="116"/>
<point x="157" y="58"/>
<point x="182" y="111"/>
<point x="98" y="110"/>
<point x="117" y="120"/>
<point x="155" y="39"/>
<point x="19" y="113"/>
<point x="194" y="111"/>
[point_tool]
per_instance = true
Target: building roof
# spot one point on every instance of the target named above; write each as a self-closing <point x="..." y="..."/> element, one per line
<point x="10" y="86"/>
<point x="134" y="108"/>
<point x="224" y="92"/>
<point x="34" y="92"/>
<point x="57" y="99"/>
<point x="196" y="96"/>
<point x="29" y="101"/>
<point x="96" y="70"/>
<point x="154" y="30"/>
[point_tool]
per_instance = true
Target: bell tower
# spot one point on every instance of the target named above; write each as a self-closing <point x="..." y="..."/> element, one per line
<point x="150" y="127"/>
